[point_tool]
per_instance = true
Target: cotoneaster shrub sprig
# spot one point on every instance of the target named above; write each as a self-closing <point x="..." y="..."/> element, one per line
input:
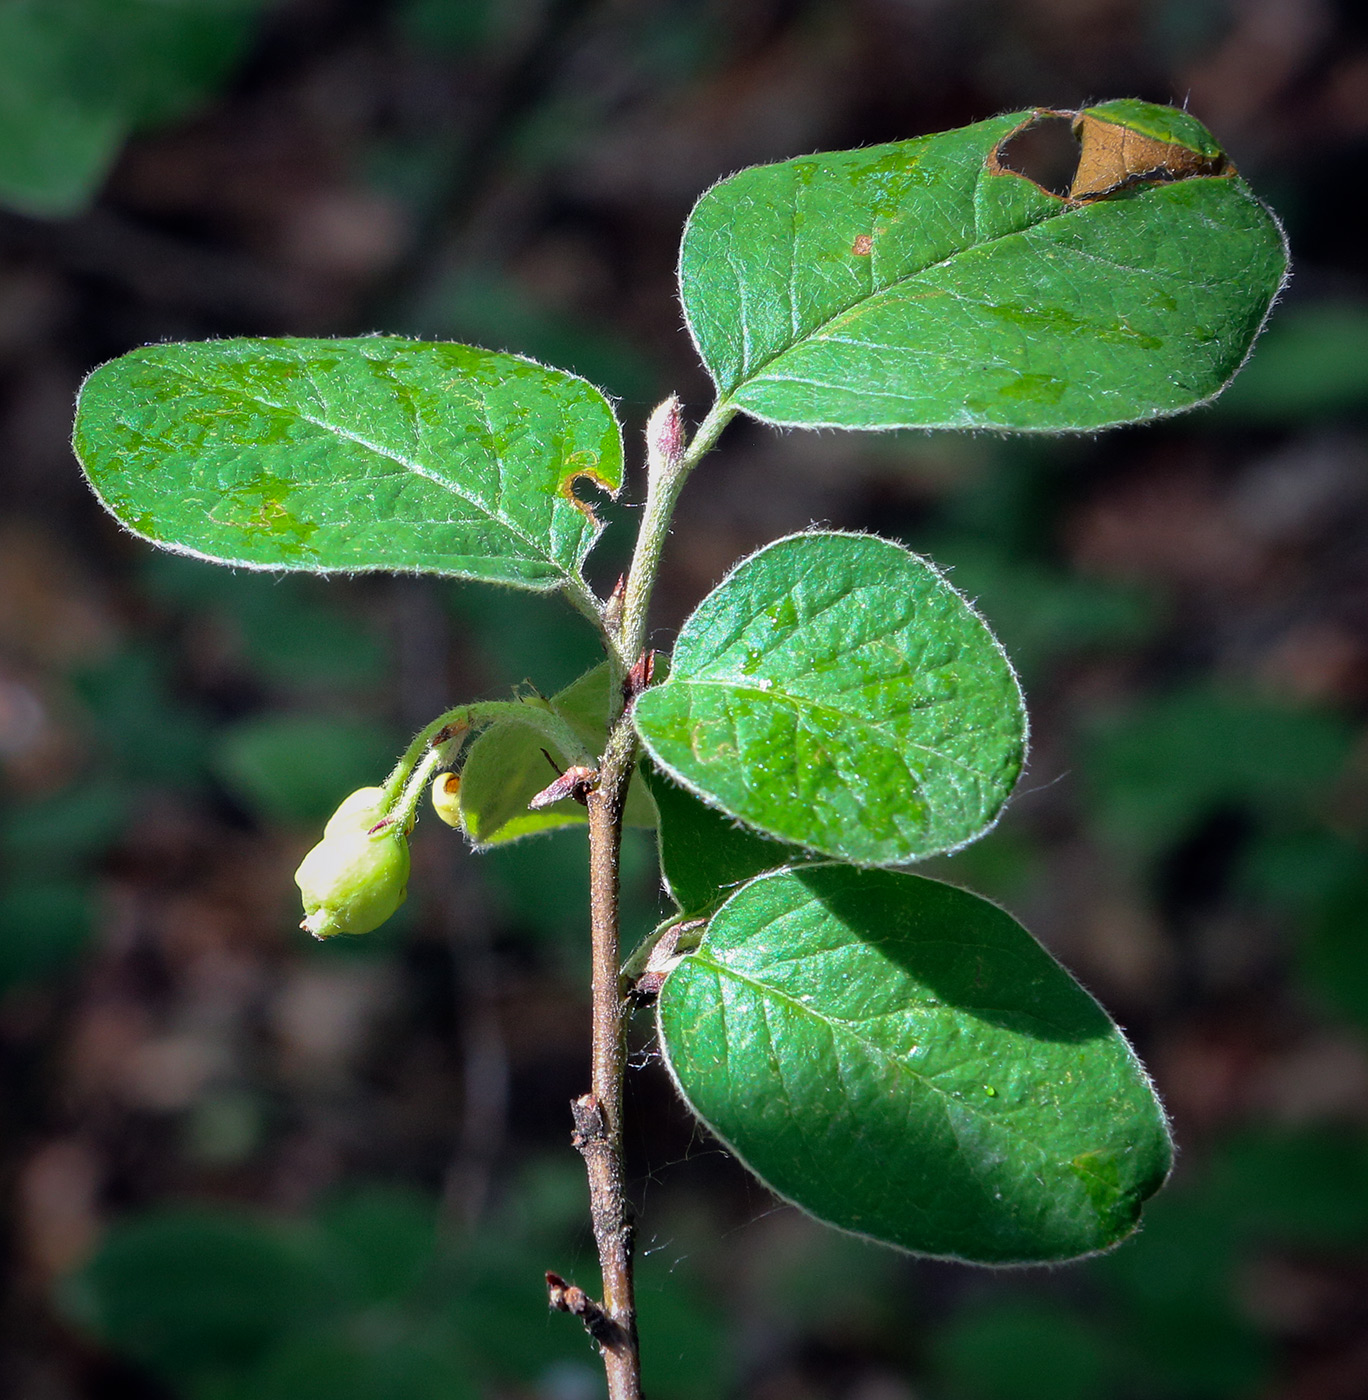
<point x="897" y="1056"/>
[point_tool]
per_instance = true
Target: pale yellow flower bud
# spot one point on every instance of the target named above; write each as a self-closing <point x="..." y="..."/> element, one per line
<point x="355" y="878"/>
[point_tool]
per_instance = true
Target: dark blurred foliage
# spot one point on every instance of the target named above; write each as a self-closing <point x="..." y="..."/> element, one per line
<point x="240" y="1164"/>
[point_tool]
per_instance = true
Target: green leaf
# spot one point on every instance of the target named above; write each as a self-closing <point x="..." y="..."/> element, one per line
<point x="376" y="453"/>
<point x="64" y="829"/>
<point x="704" y="855"/>
<point x="920" y="284"/>
<point x="1018" y="1349"/>
<point x="834" y="691"/>
<point x="44" y="926"/>
<point x="348" y="1364"/>
<point x="506" y="768"/>
<point x="902" y="1059"/>
<point x="1039" y="612"/>
<point x="296" y="631"/>
<point x="1333" y="956"/>
<point x="190" y="1290"/>
<point x="361" y="1364"/>
<point x="1156" y="773"/>
<point x="78" y="76"/>
<point x="386" y="1236"/>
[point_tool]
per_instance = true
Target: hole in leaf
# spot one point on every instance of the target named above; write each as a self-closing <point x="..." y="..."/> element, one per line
<point x="582" y="491"/>
<point x="1044" y="150"/>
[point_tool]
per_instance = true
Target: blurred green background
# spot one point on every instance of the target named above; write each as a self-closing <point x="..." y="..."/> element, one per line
<point x="238" y="1164"/>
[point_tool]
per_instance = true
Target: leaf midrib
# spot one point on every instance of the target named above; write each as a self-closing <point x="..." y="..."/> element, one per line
<point x="996" y="1124"/>
<point x="880" y="728"/>
<point x="399" y="459"/>
<point x="754" y="373"/>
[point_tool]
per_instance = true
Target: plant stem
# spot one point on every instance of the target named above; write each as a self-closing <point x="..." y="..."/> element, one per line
<point x="598" y="1114"/>
<point x="667" y="474"/>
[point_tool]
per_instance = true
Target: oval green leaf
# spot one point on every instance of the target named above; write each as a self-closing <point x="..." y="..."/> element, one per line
<point x="919" y="284"/>
<point x="506" y="767"/>
<point x="374" y="453"/>
<point x="705" y="855"/>
<point x="834" y="691"/>
<point x="903" y="1060"/>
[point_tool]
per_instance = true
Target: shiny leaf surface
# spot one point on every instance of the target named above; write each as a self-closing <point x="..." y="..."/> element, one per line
<point x="902" y="1059"/>
<point x="834" y="691"/>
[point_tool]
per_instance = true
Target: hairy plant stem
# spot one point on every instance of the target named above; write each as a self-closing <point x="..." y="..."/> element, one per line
<point x="598" y="1114"/>
<point x="667" y="472"/>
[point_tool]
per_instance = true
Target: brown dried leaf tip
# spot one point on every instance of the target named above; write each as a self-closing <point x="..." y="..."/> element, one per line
<point x="1112" y="156"/>
<point x="639" y="677"/>
<point x="669" y="951"/>
<point x="448" y="732"/>
<point x="612" y="609"/>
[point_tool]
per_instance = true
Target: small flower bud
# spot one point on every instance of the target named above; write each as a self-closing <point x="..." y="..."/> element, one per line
<point x="446" y="800"/>
<point x="665" y="436"/>
<point x="356" y="876"/>
<point x="359" y="812"/>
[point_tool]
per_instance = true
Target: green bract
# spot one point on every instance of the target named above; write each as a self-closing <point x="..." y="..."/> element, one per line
<point x="902" y="1059"/>
<point x="507" y="766"/>
<point x="834" y="691"/>
<point x="917" y="284"/>
<point x="376" y="453"/>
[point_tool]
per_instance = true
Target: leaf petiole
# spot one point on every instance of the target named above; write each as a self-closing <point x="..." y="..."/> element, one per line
<point x="465" y="720"/>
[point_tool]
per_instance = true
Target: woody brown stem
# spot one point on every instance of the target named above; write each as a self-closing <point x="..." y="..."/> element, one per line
<point x="598" y="1114"/>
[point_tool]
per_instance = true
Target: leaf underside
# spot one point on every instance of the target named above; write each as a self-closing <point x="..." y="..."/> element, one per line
<point x="507" y="767"/>
<point x="834" y="691"/>
<point x="902" y="1059"/>
<point x="374" y="453"/>
<point x="916" y="285"/>
<point x="704" y="854"/>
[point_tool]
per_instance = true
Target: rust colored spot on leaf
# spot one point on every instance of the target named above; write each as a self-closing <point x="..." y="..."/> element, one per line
<point x="1113" y="156"/>
<point x="863" y="246"/>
